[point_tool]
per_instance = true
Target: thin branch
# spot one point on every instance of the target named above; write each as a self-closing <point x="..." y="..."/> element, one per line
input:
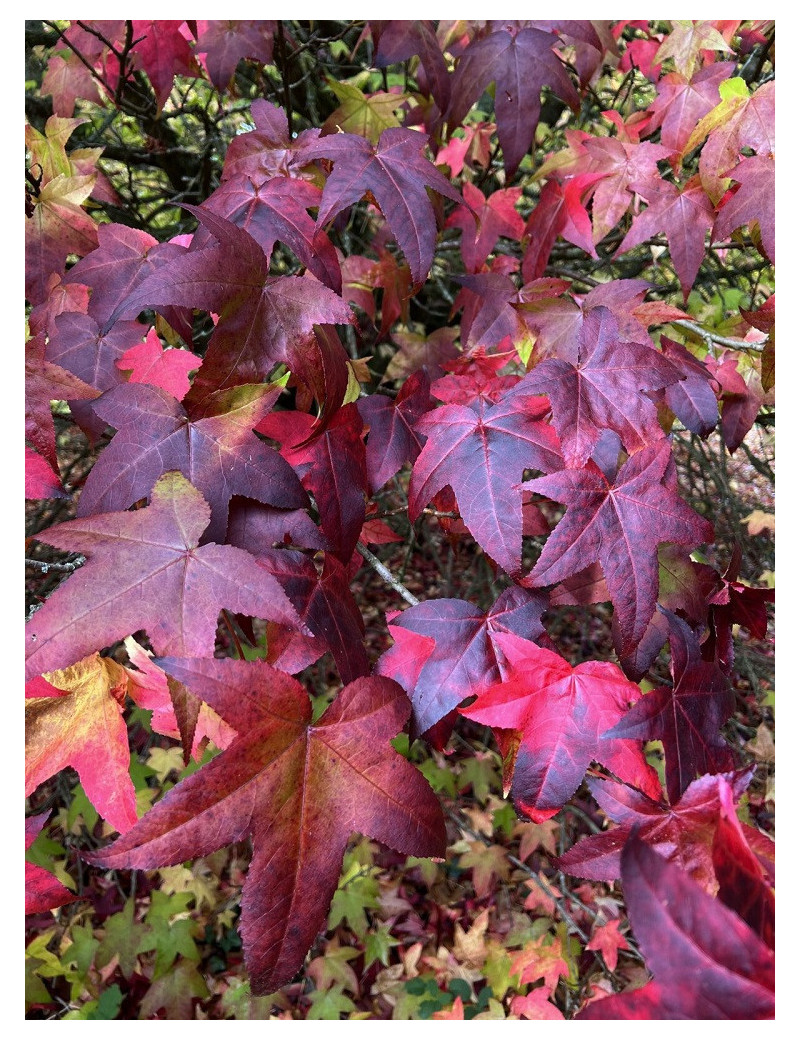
<point x="723" y="341"/>
<point x="387" y="575"/>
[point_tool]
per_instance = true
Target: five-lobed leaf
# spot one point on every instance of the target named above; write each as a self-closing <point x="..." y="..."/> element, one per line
<point x="145" y="569"/>
<point x="299" y="790"/>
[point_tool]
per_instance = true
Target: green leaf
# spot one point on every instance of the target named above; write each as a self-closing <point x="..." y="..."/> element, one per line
<point x="329" y="1004"/>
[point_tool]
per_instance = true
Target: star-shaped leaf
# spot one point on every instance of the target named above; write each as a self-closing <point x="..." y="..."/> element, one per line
<point x="83" y="727"/>
<point x="686" y="718"/>
<point x="560" y="714"/>
<point x="466" y="655"/>
<point x="603" y="391"/>
<point x="397" y="174"/>
<point x="299" y="790"/>
<point x="144" y="570"/>
<point x="216" y="450"/>
<point x="520" y="61"/>
<point x="620" y="524"/>
<point x="481" y="451"/>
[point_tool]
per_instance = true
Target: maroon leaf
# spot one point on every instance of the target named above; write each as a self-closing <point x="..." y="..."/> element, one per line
<point x="263" y="321"/>
<point x="603" y="390"/>
<point x="481" y="452"/>
<point x="397" y="174"/>
<point x="735" y="604"/>
<point x="224" y="43"/>
<point x="124" y="258"/>
<point x="216" y="451"/>
<point x="78" y="345"/>
<point x="465" y="654"/>
<point x="273" y="209"/>
<point x="620" y="524"/>
<point x="332" y="466"/>
<point x="682" y="833"/>
<point x="692" y="398"/>
<point x="392" y="439"/>
<point x="395" y="41"/>
<point x="687" y="718"/>
<point x="145" y="570"/>
<point x="707" y="963"/>
<point x="299" y="790"/>
<point x="560" y="714"/>
<point x="519" y="61"/>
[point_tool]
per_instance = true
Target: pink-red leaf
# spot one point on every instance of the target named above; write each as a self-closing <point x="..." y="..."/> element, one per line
<point x="561" y="714"/>
<point x="707" y="963"/>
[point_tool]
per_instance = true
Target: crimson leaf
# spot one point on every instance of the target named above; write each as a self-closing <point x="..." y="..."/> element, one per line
<point x="299" y="790"/>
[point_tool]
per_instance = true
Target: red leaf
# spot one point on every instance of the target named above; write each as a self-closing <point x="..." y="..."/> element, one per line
<point x="145" y="570"/>
<point x="742" y="884"/>
<point x="707" y="963"/>
<point x="41" y="480"/>
<point x="82" y="726"/>
<point x="620" y="524"/>
<point x="682" y="833"/>
<point x="465" y="655"/>
<point x="43" y="891"/>
<point x="561" y="713"/>
<point x="481" y="452"/>
<point x="299" y="790"/>
<point x="483" y="220"/>
<point x="687" y="718"/>
<point x="397" y="174"/>
<point x="148" y="362"/>
<point x="215" y="450"/>
<point x="755" y="200"/>
<point x="331" y="466"/>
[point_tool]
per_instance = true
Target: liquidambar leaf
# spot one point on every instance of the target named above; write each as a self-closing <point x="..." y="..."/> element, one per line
<point x="298" y="790"/>
<point x="144" y="570"/>
<point x="707" y="963"/>
<point x="84" y="728"/>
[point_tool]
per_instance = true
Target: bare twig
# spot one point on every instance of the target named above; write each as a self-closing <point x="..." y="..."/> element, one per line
<point x="387" y="575"/>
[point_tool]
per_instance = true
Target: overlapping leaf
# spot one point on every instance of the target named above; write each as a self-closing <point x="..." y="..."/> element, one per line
<point x="466" y="655"/>
<point x="397" y="174"/>
<point x="707" y="963"/>
<point x="559" y="714"/>
<point x="481" y="452"/>
<point x="619" y="523"/>
<point x="299" y="790"/>
<point x="83" y="727"/>
<point x="686" y="718"/>
<point x="216" y="450"/>
<point x="145" y="570"/>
